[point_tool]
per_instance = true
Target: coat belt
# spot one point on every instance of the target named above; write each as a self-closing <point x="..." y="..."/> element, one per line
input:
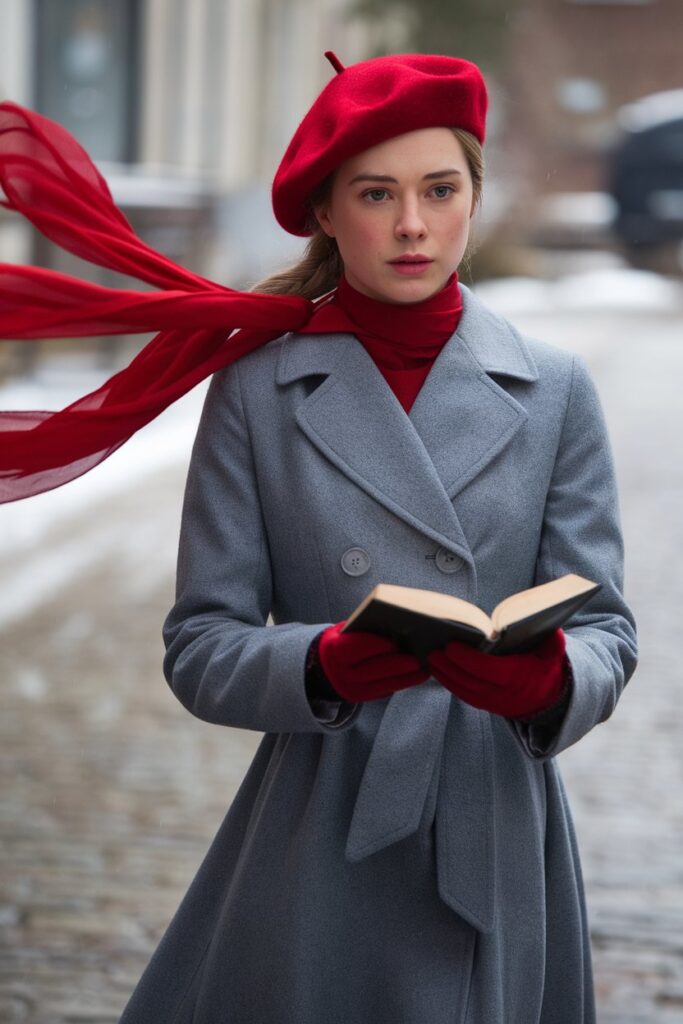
<point x="424" y="730"/>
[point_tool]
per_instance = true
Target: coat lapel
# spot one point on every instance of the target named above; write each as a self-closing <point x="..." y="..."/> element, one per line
<point x="358" y="424"/>
<point x="462" y="415"/>
<point x="460" y="421"/>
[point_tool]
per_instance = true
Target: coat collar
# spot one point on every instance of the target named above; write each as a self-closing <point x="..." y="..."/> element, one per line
<point x="493" y="342"/>
<point x="414" y="465"/>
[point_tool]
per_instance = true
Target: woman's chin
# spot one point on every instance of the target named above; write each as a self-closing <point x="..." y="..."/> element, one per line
<point x="397" y="288"/>
<point x="413" y="289"/>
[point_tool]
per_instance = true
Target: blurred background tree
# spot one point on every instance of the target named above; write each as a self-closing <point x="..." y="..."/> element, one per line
<point x="474" y="29"/>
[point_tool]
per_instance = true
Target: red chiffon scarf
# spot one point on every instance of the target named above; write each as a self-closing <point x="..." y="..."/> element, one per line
<point x="49" y="178"/>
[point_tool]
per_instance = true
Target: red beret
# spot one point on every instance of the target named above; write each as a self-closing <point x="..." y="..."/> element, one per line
<point x="366" y="104"/>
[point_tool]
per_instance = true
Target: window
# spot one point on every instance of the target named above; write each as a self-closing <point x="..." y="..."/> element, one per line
<point x="86" y="71"/>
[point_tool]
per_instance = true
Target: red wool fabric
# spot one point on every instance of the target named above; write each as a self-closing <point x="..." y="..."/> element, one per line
<point x="512" y="685"/>
<point x="364" y="666"/>
<point x="49" y="178"/>
<point x="368" y="103"/>
<point x="403" y="339"/>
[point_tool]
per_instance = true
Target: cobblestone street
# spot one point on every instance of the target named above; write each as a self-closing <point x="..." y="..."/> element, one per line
<point x="111" y="791"/>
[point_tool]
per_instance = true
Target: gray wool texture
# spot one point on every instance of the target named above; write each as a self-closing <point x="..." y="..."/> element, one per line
<point x="410" y="859"/>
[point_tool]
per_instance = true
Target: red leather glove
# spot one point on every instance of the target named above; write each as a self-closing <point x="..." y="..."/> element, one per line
<point x="511" y="685"/>
<point x="364" y="666"/>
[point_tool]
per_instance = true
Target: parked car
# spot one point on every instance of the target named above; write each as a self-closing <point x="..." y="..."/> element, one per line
<point x="646" y="178"/>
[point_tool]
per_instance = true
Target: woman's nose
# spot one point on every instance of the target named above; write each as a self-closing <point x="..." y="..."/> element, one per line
<point x="409" y="223"/>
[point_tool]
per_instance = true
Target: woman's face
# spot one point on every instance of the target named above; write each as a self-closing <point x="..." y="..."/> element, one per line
<point x="400" y="213"/>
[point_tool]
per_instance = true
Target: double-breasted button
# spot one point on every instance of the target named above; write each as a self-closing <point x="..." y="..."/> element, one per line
<point x="355" y="562"/>
<point x="447" y="562"/>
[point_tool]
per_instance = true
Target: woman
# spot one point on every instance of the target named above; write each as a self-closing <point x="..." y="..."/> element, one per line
<point x="401" y="847"/>
<point x="395" y="853"/>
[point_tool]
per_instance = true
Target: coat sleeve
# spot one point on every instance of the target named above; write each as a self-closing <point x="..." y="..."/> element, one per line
<point x="582" y="534"/>
<point x="223" y="661"/>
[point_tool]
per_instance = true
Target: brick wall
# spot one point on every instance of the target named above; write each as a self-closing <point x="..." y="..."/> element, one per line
<point x="571" y="66"/>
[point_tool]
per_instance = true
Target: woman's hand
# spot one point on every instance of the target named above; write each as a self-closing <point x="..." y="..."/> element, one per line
<point x="512" y="685"/>
<point x="364" y="666"/>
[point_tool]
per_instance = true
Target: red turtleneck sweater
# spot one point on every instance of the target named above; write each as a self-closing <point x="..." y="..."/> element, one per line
<point x="403" y="339"/>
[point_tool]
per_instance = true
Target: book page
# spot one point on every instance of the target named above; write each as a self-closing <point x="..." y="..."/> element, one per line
<point x="536" y="599"/>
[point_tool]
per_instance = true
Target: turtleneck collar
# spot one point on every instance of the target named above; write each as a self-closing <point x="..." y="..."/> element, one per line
<point x="403" y="339"/>
<point x="397" y="335"/>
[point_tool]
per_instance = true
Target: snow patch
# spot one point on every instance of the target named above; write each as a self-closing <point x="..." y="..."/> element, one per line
<point x="41" y="577"/>
<point x="605" y="290"/>
<point x="652" y="110"/>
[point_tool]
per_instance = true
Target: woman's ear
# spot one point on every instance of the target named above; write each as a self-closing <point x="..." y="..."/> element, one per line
<point x="322" y="215"/>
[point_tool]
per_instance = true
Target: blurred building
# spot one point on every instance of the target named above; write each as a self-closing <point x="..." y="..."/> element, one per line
<point x="572" y="64"/>
<point x="186" y="105"/>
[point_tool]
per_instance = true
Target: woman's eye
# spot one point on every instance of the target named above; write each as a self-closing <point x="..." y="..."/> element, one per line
<point x="375" y="195"/>
<point x="442" y="191"/>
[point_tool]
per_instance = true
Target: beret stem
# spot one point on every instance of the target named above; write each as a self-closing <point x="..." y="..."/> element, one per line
<point x="334" y="61"/>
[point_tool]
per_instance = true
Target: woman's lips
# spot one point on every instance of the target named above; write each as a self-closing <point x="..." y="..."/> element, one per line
<point x="411" y="266"/>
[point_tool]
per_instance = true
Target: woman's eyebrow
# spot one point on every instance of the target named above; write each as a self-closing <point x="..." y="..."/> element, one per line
<point x="373" y="177"/>
<point x="386" y="179"/>
<point x="441" y="174"/>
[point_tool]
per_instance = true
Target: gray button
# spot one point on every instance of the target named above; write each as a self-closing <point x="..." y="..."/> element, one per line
<point x="446" y="561"/>
<point x="355" y="562"/>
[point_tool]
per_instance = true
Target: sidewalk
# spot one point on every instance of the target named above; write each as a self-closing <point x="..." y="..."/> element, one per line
<point x="112" y="791"/>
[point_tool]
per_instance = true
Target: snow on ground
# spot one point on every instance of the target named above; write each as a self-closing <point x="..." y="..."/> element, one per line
<point x="601" y="290"/>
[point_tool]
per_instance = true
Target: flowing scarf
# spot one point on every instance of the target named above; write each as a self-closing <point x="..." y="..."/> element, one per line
<point x="49" y="178"/>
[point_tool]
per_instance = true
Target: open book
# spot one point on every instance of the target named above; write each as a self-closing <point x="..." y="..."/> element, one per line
<point x="422" y="620"/>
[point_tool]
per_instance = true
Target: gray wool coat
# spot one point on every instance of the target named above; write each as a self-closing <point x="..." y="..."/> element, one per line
<point x="409" y="860"/>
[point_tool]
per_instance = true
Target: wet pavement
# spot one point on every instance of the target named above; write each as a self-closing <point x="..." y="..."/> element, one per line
<point x="111" y="791"/>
